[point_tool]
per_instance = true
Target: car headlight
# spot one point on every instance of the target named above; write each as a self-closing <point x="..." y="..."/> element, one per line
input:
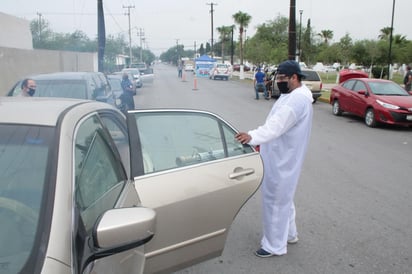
<point x="387" y="105"/>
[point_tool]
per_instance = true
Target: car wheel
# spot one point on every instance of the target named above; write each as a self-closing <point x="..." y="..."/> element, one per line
<point x="370" y="118"/>
<point x="336" y="108"/>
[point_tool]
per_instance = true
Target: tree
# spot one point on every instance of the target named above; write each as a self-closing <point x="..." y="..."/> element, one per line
<point x="224" y="32"/>
<point x="385" y="33"/>
<point x="345" y="44"/>
<point x="270" y="43"/>
<point x="326" y="35"/>
<point x="243" y="20"/>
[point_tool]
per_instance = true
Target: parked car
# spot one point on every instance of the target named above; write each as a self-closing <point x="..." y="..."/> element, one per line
<point x="136" y="76"/>
<point x="236" y="67"/>
<point x="312" y="80"/>
<point x="79" y="85"/>
<point x="376" y="100"/>
<point x="189" y="67"/>
<point x="115" y="81"/>
<point x="220" y="71"/>
<point x="139" y="65"/>
<point x="131" y="78"/>
<point x="82" y="190"/>
<point x="147" y="75"/>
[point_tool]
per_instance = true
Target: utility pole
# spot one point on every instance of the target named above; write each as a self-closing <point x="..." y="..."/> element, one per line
<point x="177" y="52"/>
<point x="140" y="33"/>
<point x="130" y="33"/>
<point x="101" y="35"/>
<point x="390" y="42"/>
<point x="231" y="47"/>
<point x="292" y="31"/>
<point x="211" y="22"/>
<point x="300" y="36"/>
<point x="39" y="23"/>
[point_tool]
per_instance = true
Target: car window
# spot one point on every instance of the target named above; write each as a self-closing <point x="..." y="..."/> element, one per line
<point x="62" y="88"/>
<point x="359" y="86"/>
<point x="119" y="135"/>
<point x="171" y="139"/>
<point x="311" y="75"/>
<point x="387" y="88"/>
<point x="348" y="84"/>
<point x="99" y="177"/>
<point x="24" y="163"/>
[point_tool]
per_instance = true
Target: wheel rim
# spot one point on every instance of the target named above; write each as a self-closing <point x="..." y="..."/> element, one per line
<point x="335" y="107"/>
<point x="369" y="117"/>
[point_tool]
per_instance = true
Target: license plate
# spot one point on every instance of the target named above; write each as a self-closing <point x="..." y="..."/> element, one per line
<point x="409" y="117"/>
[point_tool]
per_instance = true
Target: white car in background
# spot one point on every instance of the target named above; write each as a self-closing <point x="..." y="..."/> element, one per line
<point x="220" y="71"/>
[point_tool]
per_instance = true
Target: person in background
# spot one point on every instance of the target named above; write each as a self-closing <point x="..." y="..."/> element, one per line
<point x="407" y="80"/>
<point x="283" y="140"/>
<point x="28" y="87"/>
<point x="180" y="69"/>
<point x="259" y="83"/>
<point x="127" y="96"/>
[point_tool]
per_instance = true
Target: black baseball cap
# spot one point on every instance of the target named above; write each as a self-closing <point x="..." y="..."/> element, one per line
<point x="289" y="68"/>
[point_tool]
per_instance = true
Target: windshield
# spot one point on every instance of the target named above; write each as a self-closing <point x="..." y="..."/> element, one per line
<point x="387" y="88"/>
<point x="61" y="88"/>
<point x="23" y="163"/>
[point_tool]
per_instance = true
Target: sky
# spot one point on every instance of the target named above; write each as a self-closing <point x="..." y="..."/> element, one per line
<point x="165" y="23"/>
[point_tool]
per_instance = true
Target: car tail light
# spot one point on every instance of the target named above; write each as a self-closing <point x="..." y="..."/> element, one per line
<point x="321" y="84"/>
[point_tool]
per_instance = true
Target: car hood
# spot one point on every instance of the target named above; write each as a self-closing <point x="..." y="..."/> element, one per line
<point x="402" y="101"/>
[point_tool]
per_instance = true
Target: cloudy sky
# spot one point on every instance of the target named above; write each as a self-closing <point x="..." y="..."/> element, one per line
<point x="167" y="22"/>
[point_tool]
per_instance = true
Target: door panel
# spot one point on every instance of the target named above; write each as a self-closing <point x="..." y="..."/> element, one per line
<point x="199" y="180"/>
<point x="195" y="207"/>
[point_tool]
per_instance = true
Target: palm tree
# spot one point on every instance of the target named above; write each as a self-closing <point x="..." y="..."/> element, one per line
<point x="326" y="35"/>
<point x="224" y="31"/>
<point x="243" y="20"/>
<point x="385" y="33"/>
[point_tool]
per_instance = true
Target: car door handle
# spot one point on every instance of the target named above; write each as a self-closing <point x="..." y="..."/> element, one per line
<point x="240" y="172"/>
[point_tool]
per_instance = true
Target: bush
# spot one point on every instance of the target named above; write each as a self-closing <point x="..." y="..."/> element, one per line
<point x="379" y="72"/>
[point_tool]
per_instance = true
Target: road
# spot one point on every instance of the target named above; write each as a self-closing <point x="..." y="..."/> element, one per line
<point x="354" y="197"/>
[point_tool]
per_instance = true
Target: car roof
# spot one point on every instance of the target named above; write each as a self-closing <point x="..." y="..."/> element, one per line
<point x="372" y="80"/>
<point x="62" y="75"/>
<point x="39" y="110"/>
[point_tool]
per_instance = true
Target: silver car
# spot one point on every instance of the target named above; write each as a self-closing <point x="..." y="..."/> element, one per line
<point x="82" y="191"/>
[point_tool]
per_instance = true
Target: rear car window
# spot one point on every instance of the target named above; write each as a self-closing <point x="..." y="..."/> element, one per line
<point x="311" y="75"/>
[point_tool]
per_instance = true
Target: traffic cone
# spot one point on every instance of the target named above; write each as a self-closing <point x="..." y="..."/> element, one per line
<point x="194" y="83"/>
<point x="183" y="76"/>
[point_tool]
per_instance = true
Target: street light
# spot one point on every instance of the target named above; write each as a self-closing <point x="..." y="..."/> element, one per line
<point x="300" y="35"/>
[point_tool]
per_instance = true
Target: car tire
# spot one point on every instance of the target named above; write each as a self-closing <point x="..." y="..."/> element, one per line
<point x="370" y="118"/>
<point x="336" y="110"/>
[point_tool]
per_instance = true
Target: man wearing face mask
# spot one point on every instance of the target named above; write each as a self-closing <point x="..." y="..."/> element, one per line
<point x="283" y="140"/>
<point x="28" y="87"/>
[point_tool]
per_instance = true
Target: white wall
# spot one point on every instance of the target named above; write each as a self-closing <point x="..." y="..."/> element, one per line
<point x="17" y="34"/>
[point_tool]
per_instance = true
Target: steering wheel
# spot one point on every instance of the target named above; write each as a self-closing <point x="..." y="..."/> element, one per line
<point x="20" y="209"/>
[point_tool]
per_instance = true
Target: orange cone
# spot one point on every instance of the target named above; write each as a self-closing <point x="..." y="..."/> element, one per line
<point x="194" y="83"/>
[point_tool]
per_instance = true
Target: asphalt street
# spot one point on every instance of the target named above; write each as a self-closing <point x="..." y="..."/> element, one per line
<point x="353" y="200"/>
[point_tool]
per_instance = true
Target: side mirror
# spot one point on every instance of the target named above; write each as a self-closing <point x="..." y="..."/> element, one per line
<point x="119" y="230"/>
<point x="363" y="92"/>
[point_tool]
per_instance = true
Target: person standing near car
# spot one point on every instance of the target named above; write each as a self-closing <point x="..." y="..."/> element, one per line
<point x="127" y="96"/>
<point x="283" y="141"/>
<point x="28" y="87"/>
<point x="259" y="83"/>
<point x="407" y="80"/>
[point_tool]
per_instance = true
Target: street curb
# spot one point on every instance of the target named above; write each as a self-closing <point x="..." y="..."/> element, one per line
<point x="324" y="100"/>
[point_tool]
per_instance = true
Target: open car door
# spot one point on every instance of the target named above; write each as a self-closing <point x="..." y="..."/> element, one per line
<point x="188" y="166"/>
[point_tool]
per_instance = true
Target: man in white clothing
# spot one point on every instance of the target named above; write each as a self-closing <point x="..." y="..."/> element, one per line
<point x="283" y="141"/>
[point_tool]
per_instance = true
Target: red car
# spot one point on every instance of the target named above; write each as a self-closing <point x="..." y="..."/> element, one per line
<point x="375" y="100"/>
